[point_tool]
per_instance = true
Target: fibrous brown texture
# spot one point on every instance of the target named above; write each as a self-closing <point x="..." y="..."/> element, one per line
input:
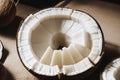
<point x="7" y="12"/>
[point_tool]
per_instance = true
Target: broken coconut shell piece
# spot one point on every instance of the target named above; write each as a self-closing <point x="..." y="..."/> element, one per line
<point x="3" y="71"/>
<point x="60" y="43"/>
<point x="1" y="50"/>
<point x="112" y="71"/>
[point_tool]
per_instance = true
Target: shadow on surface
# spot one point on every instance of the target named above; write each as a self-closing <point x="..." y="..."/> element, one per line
<point x="113" y="1"/>
<point x="9" y="76"/>
<point x="11" y="29"/>
<point x="4" y="56"/>
<point x="41" y="3"/>
<point x="107" y="1"/>
<point x="93" y="4"/>
<point x="5" y="74"/>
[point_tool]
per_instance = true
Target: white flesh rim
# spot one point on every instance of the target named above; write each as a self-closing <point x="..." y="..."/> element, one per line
<point x="59" y="40"/>
<point x="112" y="71"/>
<point x="1" y="50"/>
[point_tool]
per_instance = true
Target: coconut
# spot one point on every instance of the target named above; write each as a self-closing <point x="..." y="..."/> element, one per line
<point x="7" y="12"/>
<point x="60" y="43"/>
<point x="112" y="71"/>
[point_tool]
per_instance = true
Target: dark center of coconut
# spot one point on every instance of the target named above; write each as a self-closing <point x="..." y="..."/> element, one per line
<point x="60" y="40"/>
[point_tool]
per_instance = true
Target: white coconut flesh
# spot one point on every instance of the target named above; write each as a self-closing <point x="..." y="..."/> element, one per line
<point x="59" y="40"/>
<point x="112" y="71"/>
<point x="1" y="50"/>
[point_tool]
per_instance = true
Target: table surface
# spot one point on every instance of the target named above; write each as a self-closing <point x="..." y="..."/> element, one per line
<point x="107" y="14"/>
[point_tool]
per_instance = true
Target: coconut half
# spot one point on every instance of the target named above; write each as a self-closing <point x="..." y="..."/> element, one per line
<point x="112" y="71"/>
<point x="60" y="43"/>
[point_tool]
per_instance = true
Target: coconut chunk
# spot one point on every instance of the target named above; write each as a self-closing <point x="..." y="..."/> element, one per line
<point x="46" y="58"/>
<point x="82" y="37"/>
<point x="95" y="55"/>
<point x="57" y="58"/>
<point x="67" y="57"/>
<point x="66" y="25"/>
<point x="83" y="65"/>
<point x="84" y="51"/>
<point x="46" y="69"/>
<point x="112" y="71"/>
<point x="75" y="15"/>
<point x="54" y="25"/>
<point x="69" y="70"/>
<point x="75" y="53"/>
<point x="75" y="27"/>
<point x="1" y="50"/>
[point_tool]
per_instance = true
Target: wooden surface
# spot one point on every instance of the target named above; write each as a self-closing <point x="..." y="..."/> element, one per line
<point x="107" y="14"/>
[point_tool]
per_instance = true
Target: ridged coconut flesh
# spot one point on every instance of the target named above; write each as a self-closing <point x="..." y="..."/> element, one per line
<point x="58" y="41"/>
<point x="112" y="71"/>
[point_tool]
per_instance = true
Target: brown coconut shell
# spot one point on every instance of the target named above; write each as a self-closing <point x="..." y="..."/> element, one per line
<point x="7" y="12"/>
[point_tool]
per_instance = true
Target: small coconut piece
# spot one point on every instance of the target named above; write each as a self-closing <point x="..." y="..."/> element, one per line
<point x="7" y="12"/>
<point x="1" y="50"/>
<point x="112" y="71"/>
<point x="3" y="71"/>
<point x="75" y="53"/>
<point x="60" y="44"/>
<point x="46" y="58"/>
<point x="57" y="58"/>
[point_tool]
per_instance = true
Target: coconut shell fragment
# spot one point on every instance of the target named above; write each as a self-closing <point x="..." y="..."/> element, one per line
<point x="1" y="50"/>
